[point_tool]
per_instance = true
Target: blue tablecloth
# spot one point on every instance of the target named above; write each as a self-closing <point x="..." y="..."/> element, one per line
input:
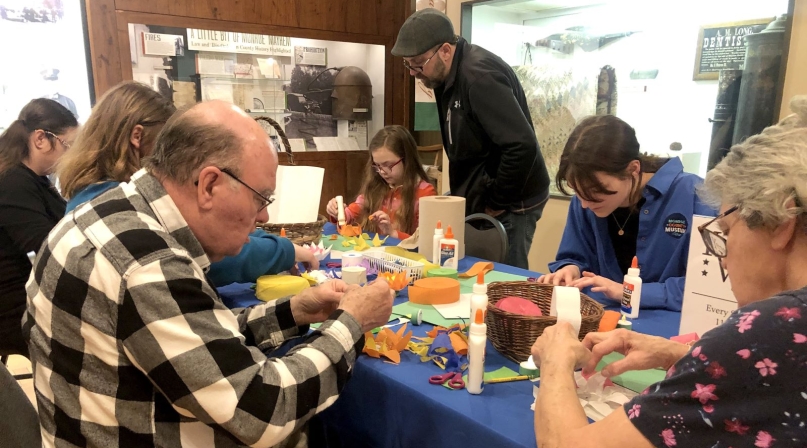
<point x="385" y="405"/>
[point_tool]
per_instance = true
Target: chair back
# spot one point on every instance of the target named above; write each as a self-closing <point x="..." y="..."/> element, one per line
<point x="19" y="423"/>
<point x="485" y="238"/>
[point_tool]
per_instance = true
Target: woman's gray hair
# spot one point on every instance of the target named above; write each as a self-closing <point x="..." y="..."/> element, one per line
<point x="766" y="175"/>
<point x="188" y="143"/>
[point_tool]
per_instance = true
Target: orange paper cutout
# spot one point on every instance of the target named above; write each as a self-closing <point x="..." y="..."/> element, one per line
<point x="481" y="266"/>
<point x="434" y="291"/>
<point x="349" y="231"/>
<point x="387" y="344"/>
<point x="397" y="281"/>
<point x="333" y="237"/>
<point x="609" y="321"/>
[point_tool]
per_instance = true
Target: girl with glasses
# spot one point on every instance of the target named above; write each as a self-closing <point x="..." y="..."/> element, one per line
<point x="29" y="204"/>
<point x="626" y="204"/>
<point x="394" y="182"/>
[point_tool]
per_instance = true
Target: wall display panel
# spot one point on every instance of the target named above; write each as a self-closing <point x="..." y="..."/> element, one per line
<point x="44" y="55"/>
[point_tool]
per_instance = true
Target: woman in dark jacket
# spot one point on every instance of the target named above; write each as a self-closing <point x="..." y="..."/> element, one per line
<point x="30" y="206"/>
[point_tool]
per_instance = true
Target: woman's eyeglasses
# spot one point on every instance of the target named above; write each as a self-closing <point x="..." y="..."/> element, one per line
<point x="385" y="169"/>
<point x="715" y="243"/>
<point x="64" y="143"/>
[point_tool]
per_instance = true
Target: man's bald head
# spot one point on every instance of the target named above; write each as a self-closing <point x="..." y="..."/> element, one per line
<point x="209" y="133"/>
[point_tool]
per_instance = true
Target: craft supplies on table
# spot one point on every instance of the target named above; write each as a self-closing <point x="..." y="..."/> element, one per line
<point x="451" y="379"/>
<point x="450" y="211"/>
<point x="438" y="235"/>
<point x="443" y="272"/>
<point x="273" y="287"/>
<point x="632" y="291"/>
<point x="449" y="252"/>
<point x="477" y="342"/>
<point x="434" y="291"/>
<point x="351" y="259"/>
<point x="565" y="306"/>
<point x="354" y="275"/>
<point x="387" y="262"/>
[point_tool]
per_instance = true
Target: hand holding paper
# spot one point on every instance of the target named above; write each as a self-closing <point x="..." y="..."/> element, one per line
<point x="641" y="351"/>
<point x="558" y="347"/>
<point x="565" y="306"/>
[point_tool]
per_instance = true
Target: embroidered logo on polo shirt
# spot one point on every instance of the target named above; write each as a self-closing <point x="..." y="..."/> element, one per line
<point x="676" y="225"/>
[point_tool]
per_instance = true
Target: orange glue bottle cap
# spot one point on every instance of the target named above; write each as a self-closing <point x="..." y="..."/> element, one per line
<point x="439" y="225"/>
<point x="449" y="233"/>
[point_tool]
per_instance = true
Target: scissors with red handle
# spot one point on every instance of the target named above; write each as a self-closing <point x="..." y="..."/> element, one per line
<point x="453" y="379"/>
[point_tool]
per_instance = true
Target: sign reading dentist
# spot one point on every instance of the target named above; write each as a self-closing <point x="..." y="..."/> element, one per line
<point x="229" y="42"/>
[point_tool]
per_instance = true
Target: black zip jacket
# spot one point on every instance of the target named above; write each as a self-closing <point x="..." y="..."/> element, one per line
<point x="488" y="134"/>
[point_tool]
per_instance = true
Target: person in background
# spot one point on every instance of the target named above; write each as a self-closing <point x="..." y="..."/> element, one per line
<point x="742" y="384"/>
<point x="394" y="182"/>
<point x="111" y="147"/>
<point x="626" y="204"/>
<point x="130" y="343"/>
<point x="29" y="204"/>
<point x="495" y="161"/>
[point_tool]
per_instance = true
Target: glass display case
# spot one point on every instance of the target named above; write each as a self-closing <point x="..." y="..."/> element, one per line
<point x="681" y="73"/>
<point x="45" y="55"/>
<point x="326" y="95"/>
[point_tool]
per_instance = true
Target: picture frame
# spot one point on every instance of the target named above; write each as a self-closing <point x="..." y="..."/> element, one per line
<point x="722" y="46"/>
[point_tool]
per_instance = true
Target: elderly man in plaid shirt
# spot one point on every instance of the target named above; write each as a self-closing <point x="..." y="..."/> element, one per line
<point x="130" y="344"/>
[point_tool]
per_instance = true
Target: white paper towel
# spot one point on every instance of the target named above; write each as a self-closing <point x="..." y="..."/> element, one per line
<point x="450" y="211"/>
<point x="354" y="275"/>
<point x="351" y="259"/>
<point x="566" y="306"/>
<point x="298" y="192"/>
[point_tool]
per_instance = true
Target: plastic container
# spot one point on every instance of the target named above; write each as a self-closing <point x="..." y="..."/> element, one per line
<point x="477" y="341"/>
<point x="632" y="291"/>
<point x="438" y="235"/>
<point x="449" y="256"/>
<point x="479" y="297"/>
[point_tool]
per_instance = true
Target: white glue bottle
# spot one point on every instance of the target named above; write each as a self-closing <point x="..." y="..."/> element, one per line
<point x="479" y="298"/>
<point x="449" y="256"/>
<point x="477" y="341"/>
<point x="340" y="211"/>
<point x="438" y="235"/>
<point x="632" y="291"/>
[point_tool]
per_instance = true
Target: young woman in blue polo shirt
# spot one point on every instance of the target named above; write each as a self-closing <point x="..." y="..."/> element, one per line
<point x="626" y="204"/>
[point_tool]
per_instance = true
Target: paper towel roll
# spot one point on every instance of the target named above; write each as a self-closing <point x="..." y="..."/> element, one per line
<point x="351" y="259"/>
<point x="354" y="275"/>
<point x="450" y="210"/>
<point x="565" y="306"/>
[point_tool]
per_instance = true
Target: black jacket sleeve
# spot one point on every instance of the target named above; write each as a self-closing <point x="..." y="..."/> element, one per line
<point x="23" y="214"/>
<point x="500" y="115"/>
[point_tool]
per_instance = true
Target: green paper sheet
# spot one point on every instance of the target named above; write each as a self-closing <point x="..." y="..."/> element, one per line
<point x="637" y="380"/>
<point x="430" y="314"/>
<point x="503" y="372"/>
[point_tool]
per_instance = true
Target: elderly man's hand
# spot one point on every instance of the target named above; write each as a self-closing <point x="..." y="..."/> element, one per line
<point x="641" y="351"/>
<point x="370" y="305"/>
<point x="558" y="347"/>
<point x="316" y="304"/>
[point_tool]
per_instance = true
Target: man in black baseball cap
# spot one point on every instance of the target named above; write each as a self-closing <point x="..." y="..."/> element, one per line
<point x="495" y="162"/>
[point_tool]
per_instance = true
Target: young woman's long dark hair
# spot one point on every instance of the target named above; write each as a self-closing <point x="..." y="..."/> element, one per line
<point x="605" y="144"/>
<point x="41" y="113"/>
<point x="375" y="189"/>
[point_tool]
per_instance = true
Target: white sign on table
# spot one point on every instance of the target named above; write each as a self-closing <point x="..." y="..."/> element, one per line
<point x="708" y="300"/>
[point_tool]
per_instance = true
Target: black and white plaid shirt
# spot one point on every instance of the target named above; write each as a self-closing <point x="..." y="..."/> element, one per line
<point x="131" y="346"/>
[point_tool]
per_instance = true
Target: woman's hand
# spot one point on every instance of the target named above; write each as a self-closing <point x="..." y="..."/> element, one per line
<point x="558" y="347"/>
<point x="564" y="276"/>
<point x="384" y="224"/>
<point x="333" y="208"/>
<point x="610" y="288"/>
<point x="641" y="351"/>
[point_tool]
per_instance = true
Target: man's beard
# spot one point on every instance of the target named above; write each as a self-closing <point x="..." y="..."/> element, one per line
<point x="438" y="77"/>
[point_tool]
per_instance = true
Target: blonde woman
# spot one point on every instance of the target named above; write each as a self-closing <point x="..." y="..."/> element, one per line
<point x="120" y="133"/>
<point x="743" y="383"/>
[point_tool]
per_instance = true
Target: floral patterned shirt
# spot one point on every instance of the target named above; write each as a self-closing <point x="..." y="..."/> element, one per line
<point x="743" y="384"/>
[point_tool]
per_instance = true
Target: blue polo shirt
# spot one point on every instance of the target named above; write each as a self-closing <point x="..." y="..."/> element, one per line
<point x="662" y="245"/>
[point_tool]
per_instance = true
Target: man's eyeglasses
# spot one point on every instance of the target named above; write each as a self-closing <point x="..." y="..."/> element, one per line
<point x="386" y="169"/>
<point x="419" y="68"/>
<point x="715" y="243"/>
<point x="64" y="143"/>
<point x="264" y="201"/>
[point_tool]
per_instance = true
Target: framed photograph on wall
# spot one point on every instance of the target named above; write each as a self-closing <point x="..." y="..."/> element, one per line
<point x="722" y="46"/>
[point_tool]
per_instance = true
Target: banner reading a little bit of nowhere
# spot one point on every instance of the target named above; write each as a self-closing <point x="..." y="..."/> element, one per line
<point x="229" y="42"/>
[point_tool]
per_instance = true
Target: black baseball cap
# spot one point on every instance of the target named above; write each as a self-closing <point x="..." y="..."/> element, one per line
<point x="422" y="31"/>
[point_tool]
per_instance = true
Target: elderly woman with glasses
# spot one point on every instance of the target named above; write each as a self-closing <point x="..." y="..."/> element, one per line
<point x="743" y="383"/>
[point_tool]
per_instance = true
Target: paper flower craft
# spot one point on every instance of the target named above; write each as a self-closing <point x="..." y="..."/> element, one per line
<point x="349" y="231"/>
<point x="319" y="251"/>
<point x="397" y="281"/>
<point x="599" y="396"/>
<point x="387" y="343"/>
<point x="446" y="347"/>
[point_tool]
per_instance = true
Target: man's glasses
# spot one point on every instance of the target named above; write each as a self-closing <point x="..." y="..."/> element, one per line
<point x="64" y="143"/>
<point x="419" y="68"/>
<point x="386" y="169"/>
<point x="715" y="243"/>
<point x="263" y="200"/>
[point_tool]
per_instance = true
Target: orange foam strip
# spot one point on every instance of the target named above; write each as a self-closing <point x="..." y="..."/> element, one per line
<point x="434" y="291"/>
<point x="480" y="266"/>
<point x="459" y="344"/>
<point x="608" y="321"/>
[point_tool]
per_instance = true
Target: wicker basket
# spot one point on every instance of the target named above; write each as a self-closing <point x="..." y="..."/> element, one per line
<point x="299" y="233"/>
<point x="512" y="334"/>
